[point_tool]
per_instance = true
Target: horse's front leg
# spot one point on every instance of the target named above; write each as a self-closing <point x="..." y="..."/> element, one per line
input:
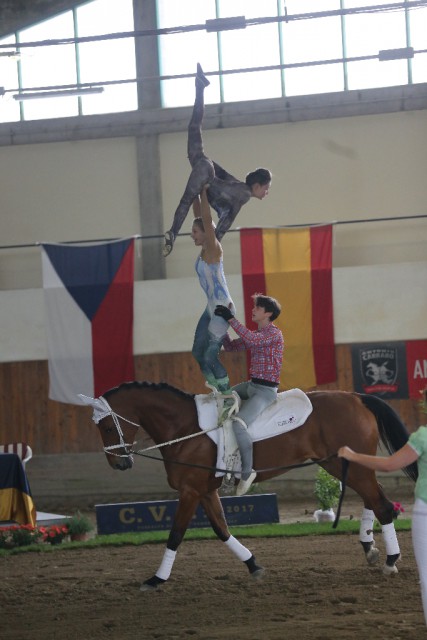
<point x="187" y="505"/>
<point x="215" y="513"/>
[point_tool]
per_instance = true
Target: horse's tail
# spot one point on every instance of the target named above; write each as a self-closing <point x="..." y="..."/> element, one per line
<point x="393" y="432"/>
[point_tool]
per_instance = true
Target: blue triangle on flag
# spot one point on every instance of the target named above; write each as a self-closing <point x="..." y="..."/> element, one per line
<point x="87" y="272"/>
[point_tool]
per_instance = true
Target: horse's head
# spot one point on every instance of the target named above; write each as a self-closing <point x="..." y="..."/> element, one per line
<point x="116" y="432"/>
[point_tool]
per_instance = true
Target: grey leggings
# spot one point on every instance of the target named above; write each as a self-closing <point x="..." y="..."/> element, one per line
<point x="202" y="168"/>
<point x="256" y="398"/>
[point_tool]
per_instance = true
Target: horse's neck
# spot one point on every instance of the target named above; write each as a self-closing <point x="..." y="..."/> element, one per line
<point x="166" y="416"/>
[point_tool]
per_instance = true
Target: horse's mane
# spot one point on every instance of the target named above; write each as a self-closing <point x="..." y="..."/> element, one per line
<point x="154" y="386"/>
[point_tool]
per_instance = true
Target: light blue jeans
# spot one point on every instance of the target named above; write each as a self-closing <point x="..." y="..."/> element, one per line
<point x="255" y="398"/>
<point x="208" y="339"/>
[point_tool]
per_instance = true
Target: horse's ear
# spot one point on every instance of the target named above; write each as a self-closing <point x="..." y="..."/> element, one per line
<point x="101" y="408"/>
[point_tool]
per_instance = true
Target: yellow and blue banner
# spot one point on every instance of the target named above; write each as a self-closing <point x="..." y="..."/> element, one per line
<point x="16" y="502"/>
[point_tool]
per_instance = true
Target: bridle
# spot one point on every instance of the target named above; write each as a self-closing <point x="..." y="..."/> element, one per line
<point x="103" y="409"/>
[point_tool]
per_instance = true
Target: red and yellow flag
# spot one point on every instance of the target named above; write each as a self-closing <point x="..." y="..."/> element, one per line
<point x="295" y="267"/>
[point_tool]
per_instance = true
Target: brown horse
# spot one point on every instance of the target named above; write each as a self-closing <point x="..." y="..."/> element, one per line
<point x="168" y="415"/>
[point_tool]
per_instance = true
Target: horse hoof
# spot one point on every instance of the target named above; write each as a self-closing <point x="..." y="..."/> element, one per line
<point x="258" y="573"/>
<point x="390" y="570"/>
<point x="373" y="556"/>
<point x="390" y="564"/>
<point x="151" y="584"/>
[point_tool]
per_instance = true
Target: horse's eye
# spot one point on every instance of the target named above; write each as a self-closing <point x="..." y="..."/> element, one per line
<point x="106" y="429"/>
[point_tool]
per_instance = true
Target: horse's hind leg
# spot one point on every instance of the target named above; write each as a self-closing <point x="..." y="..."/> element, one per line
<point x="378" y="505"/>
<point x="215" y="513"/>
<point x="366" y="536"/>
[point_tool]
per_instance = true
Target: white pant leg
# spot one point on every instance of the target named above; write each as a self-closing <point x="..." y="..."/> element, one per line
<point x="419" y="541"/>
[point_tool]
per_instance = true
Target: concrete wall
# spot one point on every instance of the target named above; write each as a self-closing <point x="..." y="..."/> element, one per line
<point x="382" y="302"/>
<point x="341" y="169"/>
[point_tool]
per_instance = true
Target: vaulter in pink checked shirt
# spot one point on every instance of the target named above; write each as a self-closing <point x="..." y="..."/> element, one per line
<point x="266" y="346"/>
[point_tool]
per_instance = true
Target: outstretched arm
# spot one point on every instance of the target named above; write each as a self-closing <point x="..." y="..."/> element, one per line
<point x="213" y="249"/>
<point x="402" y="458"/>
<point x="197" y="213"/>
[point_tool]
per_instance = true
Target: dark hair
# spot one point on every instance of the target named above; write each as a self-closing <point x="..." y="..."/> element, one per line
<point x="259" y="176"/>
<point x="269" y="304"/>
<point x="199" y="223"/>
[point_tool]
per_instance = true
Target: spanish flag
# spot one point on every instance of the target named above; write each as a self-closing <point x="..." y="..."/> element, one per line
<point x="295" y="267"/>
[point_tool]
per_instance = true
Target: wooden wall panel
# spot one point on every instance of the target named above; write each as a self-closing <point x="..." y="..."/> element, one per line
<point x="50" y="427"/>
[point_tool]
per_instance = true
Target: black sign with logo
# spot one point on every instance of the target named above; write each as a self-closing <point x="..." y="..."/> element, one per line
<point x="380" y="369"/>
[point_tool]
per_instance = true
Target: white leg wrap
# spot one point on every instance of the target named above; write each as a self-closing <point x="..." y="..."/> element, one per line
<point x="366" y="531"/>
<point x="390" y="539"/>
<point x="238" y="549"/>
<point x="165" y="568"/>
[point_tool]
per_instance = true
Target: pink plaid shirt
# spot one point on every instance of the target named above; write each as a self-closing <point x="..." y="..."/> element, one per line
<point x="266" y="348"/>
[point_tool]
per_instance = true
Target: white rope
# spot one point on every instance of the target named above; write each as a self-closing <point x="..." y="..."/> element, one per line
<point x="122" y="443"/>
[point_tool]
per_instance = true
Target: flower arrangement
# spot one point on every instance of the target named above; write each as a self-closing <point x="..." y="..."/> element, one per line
<point x="54" y="534"/>
<point x="327" y="490"/>
<point x="79" y="526"/>
<point x="397" y="509"/>
<point x="19" y="536"/>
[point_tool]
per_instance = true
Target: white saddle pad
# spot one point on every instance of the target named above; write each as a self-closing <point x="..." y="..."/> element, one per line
<point x="290" y="411"/>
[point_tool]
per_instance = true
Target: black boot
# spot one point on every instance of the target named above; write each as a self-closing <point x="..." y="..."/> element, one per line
<point x="201" y="78"/>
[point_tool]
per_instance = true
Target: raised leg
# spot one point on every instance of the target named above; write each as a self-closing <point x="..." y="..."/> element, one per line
<point x="202" y="168"/>
<point x="366" y="536"/>
<point x="215" y="513"/>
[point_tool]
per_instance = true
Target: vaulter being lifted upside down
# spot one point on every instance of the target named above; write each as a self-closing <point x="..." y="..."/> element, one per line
<point x="226" y="194"/>
<point x="211" y="329"/>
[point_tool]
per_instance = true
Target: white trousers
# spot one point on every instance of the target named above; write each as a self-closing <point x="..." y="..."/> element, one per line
<point x="419" y="541"/>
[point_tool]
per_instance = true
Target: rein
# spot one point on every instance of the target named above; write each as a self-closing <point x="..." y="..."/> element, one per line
<point x="141" y="452"/>
<point x="129" y="452"/>
<point x="230" y="471"/>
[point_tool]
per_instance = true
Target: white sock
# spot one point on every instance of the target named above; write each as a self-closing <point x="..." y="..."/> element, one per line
<point x="165" y="568"/>
<point x="238" y="549"/>
<point x="366" y="531"/>
<point x="390" y="539"/>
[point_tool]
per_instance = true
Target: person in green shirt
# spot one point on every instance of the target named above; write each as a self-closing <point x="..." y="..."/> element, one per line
<point x="414" y="450"/>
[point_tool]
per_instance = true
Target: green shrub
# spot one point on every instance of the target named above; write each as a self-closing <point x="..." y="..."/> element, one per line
<point x="327" y="490"/>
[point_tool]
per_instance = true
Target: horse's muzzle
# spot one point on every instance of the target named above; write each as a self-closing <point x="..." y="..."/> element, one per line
<point x="121" y="464"/>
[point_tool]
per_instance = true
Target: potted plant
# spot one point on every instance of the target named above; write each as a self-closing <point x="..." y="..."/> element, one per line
<point x="79" y="526"/>
<point x="327" y="491"/>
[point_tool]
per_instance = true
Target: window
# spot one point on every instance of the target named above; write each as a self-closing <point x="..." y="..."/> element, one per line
<point x="49" y="66"/>
<point x="289" y="48"/>
<point x="368" y="33"/>
<point x="107" y="60"/>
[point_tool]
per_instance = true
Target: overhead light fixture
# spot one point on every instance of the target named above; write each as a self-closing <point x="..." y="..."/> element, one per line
<point x="14" y="55"/>
<point x="34" y="95"/>
<point x="396" y="54"/>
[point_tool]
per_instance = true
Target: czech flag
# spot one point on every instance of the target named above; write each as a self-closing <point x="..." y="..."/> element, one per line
<point x="89" y="317"/>
<point x="295" y="267"/>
